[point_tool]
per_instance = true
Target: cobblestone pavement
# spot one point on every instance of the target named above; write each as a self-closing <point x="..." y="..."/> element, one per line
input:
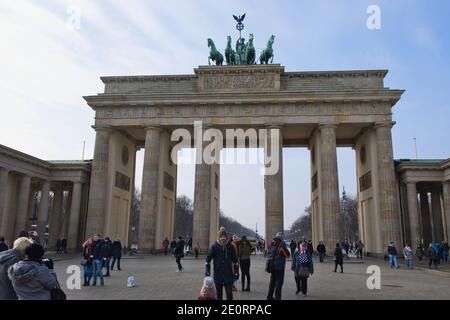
<point x="156" y="279"/>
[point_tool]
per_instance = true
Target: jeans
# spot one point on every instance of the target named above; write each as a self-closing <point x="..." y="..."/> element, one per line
<point x="445" y="256"/>
<point x="409" y="263"/>
<point x="97" y="264"/>
<point x="118" y="263"/>
<point x="393" y="261"/>
<point x="87" y="273"/>
<point x="107" y="260"/>
<point x="245" y="270"/>
<point x="276" y="284"/>
<point x="321" y="256"/>
<point x="228" y="290"/>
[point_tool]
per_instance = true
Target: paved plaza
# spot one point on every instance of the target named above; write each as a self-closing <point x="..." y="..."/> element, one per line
<point x="156" y="279"/>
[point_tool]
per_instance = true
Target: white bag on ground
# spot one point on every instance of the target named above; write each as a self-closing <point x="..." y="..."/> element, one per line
<point x="131" y="282"/>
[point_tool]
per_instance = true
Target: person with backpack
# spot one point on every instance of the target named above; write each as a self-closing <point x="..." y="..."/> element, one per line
<point x="179" y="252"/>
<point x="225" y="262"/>
<point x="277" y="254"/>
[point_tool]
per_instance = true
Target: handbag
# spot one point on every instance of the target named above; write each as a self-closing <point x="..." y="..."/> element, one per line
<point x="57" y="293"/>
<point x="304" y="272"/>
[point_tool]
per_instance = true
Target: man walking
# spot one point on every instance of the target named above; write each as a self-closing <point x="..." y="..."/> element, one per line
<point x="179" y="252"/>
<point x="321" y="250"/>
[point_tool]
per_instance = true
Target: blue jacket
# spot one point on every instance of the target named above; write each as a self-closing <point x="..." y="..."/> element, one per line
<point x="32" y="280"/>
<point x="278" y="252"/>
<point x="299" y="260"/>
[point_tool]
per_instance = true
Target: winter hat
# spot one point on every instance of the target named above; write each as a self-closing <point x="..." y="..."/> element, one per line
<point x="34" y="251"/>
<point x="222" y="233"/>
<point x="279" y="235"/>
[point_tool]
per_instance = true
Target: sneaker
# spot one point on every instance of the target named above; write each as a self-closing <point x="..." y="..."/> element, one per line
<point x="297" y="292"/>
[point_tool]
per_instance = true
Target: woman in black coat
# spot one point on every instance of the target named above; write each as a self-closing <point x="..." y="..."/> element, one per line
<point x="339" y="259"/>
<point x="117" y="254"/>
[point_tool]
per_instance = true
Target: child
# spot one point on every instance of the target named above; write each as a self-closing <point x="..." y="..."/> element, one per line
<point x="208" y="291"/>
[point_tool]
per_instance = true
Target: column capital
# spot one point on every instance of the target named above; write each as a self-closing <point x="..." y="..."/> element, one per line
<point x="274" y="125"/>
<point x="386" y="124"/>
<point x="324" y="125"/>
<point x="4" y="170"/>
<point x="411" y="182"/>
<point x="152" y="127"/>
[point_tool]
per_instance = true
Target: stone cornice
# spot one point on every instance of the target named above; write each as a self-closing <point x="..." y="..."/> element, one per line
<point x="284" y="97"/>
<point x="338" y="74"/>
<point x="153" y="78"/>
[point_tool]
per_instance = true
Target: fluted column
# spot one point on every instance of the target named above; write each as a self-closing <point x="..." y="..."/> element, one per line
<point x="4" y="192"/>
<point x="23" y="205"/>
<point x="425" y="218"/>
<point x="273" y="185"/>
<point x="438" y="231"/>
<point x="74" y="220"/>
<point x="446" y="197"/>
<point x="329" y="185"/>
<point x="388" y="202"/>
<point x="150" y="190"/>
<point x="413" y="213"/>
<point x="43" y="210"/>
<point x="98" y="188"/>
<point x="56" y="217"/>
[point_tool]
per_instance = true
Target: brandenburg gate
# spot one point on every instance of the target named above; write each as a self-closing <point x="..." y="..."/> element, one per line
<point x="317" y="110"/>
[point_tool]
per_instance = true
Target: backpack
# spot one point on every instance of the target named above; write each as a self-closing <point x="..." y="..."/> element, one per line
<point x="270" y="262"/>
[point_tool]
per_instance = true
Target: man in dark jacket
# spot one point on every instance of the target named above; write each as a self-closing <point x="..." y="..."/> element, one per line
<point x="245" y="250"/>
<point x="278" y="252"/>
<point x="225" y="264"/>
<point x="7" y="259"/>
<point x="97" y="254"/>
<point x="179" y="252"/>
<point x="293" y="247"/>
<point x="339" y="258"/>
<point x="108" y="252"/>
<point x="321" y="250"/>
<point x="117" y="253"/>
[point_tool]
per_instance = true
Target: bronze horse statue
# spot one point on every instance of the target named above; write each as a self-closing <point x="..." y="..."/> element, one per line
<point x="250" y="50"/>
<point x="214" y="54"/>
<point x="268" y="52"/>
<point x="230" y="54"/>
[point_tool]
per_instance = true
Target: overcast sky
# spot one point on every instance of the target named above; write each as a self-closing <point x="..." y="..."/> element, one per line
<point x="53" y="52"/>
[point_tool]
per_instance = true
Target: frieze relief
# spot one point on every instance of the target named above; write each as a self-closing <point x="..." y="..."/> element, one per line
<point x="241" y="110"/>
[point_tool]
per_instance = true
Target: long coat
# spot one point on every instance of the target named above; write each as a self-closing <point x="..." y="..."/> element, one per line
<point x="224" y="257"/>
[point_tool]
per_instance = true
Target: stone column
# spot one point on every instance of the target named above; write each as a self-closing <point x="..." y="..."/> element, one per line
<point x="446" y="198"/>
<point x="99" y="176"/>
<point x="413" y="211"/>
<point x="43" y="210"/>
<point x="4" y="192"/>
<point x="23" y="205"/>
<point x="329" y="185"/>
<point x="74" y="220"/>
<point x="150" y="190"/>
<point x="273" y="185"/>
<point x="56" y="217"/>
<point x="388" y="202"/>
<point x="438" y="231"/>
<point x="425" y="218"/>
